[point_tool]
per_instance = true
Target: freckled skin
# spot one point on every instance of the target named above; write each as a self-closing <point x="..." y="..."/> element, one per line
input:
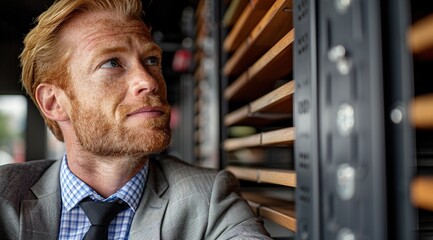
<point x="104" y="96"/>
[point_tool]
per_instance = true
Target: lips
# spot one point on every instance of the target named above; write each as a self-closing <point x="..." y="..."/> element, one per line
<point x="151" y="111"/>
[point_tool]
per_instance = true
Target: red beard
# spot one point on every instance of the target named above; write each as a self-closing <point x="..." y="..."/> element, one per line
<point x="103" y="136"/>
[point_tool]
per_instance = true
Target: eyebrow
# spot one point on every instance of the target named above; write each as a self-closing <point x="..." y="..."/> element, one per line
<point x="152" y="46"/>
<point x="95" y="56"/>
<point x="148" y="47"/>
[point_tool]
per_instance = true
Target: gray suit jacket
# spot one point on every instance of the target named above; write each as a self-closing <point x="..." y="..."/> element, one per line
<point x="179" y="202"/>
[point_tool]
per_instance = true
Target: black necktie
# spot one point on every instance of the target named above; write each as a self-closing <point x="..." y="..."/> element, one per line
<point x="100" y="215"/>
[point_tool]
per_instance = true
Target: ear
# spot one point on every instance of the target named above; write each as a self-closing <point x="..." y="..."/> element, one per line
<point x="48" y="98"/>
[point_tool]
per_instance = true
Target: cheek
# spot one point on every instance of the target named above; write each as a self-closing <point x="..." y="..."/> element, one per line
<point x="162" y="86"/>
<point x="101" y="100"/>
<point x="163" y="90"/>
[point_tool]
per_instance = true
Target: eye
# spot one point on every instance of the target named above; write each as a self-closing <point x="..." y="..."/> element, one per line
<point x="112" y="63"/>
<point x="152" y="61"/>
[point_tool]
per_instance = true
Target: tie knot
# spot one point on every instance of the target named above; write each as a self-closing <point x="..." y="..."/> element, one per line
<point x="101" y="213"/>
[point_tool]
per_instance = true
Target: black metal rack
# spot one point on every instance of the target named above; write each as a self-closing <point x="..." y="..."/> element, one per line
<point x="353" y="128"/>
<point x="361" y="103"/>
<point x="306" y="115"/>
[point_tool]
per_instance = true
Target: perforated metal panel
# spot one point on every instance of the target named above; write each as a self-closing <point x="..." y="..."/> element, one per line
<point x="353" y="156"/>
<point x="305" y="106"/>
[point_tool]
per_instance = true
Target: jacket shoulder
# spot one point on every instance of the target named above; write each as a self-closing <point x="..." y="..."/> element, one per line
<point x="16" y="179"/>
<point x="176" y="170"/>
<point x="184" y="178"/>
<point x="205" y="204"/>
<point x="15" y="183"/>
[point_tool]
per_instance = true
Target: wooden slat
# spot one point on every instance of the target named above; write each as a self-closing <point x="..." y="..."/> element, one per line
<point x="233" y="12"/>
<point x="258" y="119"/>
<point x="278" y="100"/>
<point x="200" y="8"/>
<point x="201" y="33"/>
<point x="199" y="54"/>
<point x="199" y="73"/>
<point x="421" y="36"/>
<point x="279" y="215"/>
<point x="237" y="116"/>
<point x="273" y="176"/>
<point x="244" y="142"/>
<point x="422" y="192"/>
<point x="197" y="137"/>
<point x="248" y="174"/>
<point x="197" y="90"/>
<point x="284" y="136"/>
<point x="421" y="111"/>
<point x="275" y="210"/>
<point x="274" y="25"/>
<point x="249" y="18"/>
<point x="197" y="107"/>
<point x="197" y="120"/>
<point x="278" y="103"/>
<point x="280" y="177"/>
<point x="259" y="78"/>
<point x="281" y="136"/>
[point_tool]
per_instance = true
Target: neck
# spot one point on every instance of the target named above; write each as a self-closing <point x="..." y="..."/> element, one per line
<point x="106" y="175"/>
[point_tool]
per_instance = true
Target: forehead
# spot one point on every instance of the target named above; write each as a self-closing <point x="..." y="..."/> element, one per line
<point x="90" y="28"/>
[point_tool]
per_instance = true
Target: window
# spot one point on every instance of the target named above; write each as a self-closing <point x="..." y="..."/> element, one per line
<point x="13" y="113"/>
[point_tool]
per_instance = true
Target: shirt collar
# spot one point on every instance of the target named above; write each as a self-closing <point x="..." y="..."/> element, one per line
<point x="73" y="190"/>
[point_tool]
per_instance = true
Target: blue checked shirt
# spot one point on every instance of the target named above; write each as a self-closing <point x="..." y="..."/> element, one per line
<point x="74" y="222"/>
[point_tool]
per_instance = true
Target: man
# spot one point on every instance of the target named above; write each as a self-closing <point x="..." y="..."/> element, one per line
<point x="95" y="74"/>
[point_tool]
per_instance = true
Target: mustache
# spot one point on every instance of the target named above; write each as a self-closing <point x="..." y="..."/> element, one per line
<point x="147" y="102"/>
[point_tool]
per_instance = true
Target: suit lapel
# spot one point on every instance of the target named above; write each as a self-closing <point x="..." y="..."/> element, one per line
<point x="148" y="218"/>
<point x="40" y="218"/>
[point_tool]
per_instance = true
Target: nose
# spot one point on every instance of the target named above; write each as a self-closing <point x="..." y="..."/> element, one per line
<point x="143" y="82"/>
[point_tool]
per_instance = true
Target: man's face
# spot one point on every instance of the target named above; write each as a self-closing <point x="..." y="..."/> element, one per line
<point x="117" y="92"/>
